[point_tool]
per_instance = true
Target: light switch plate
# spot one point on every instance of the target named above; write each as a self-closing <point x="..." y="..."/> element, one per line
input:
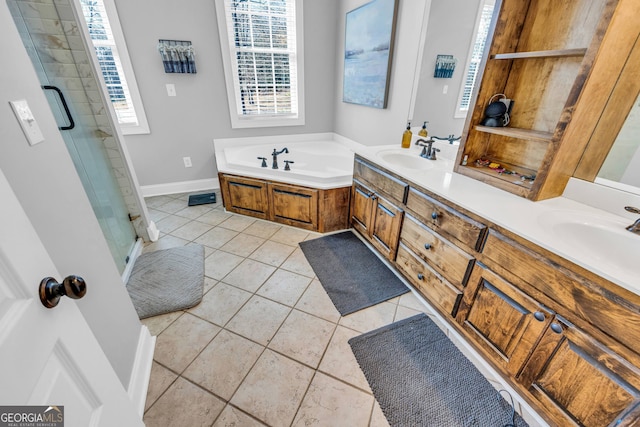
<point x="27" y="121"/>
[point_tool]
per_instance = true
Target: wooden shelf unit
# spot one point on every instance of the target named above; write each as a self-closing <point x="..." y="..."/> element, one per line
<point x="540" y="54"/>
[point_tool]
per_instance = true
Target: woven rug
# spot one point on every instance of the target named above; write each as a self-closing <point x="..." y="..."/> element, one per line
<point x="353" y="276"/>
<point x="167" y="280"/>
<point x="420" y="378"/>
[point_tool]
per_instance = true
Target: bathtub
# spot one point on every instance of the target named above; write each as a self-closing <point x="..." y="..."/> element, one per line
<point x="321" y="161"/>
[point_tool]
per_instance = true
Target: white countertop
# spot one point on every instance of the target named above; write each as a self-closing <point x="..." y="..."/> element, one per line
<point x="528" y="219"/>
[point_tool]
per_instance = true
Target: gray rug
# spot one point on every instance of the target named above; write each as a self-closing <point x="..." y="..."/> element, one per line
<point x="420" y="378"/>
<point x="353" y="276"/>
<point x="167" y="280"/>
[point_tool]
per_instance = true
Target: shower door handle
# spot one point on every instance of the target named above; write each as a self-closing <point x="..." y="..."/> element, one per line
<point x="64" y="105"/>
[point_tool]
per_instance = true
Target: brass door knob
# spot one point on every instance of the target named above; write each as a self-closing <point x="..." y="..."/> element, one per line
<point x="51" y="291"/>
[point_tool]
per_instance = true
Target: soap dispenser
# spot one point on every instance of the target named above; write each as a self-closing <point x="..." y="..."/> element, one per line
<point x="406" y="136"/>
<point x="423" y="132"/>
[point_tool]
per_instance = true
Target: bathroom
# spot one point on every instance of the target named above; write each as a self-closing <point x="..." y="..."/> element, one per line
<point x="185" y="125"/>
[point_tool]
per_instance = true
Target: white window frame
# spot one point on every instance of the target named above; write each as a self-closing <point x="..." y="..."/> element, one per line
<point x="142" y="127"/>
<point x="462" y="112"/>
<point x="253" y="121"/>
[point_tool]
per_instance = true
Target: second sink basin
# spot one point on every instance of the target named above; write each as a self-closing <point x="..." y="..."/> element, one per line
<point x="601" y="239"/>
<point x="404" y="158"/>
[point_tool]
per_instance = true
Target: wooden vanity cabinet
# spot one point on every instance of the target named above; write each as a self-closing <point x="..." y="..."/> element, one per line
<point x="293" y="205"/>
<point x="578" y="379"/>
<point x="373" y="214"/>
<point x="245" y="196"/>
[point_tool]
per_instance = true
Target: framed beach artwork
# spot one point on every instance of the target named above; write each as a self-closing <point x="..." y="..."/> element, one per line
<point x="368" y="49"/>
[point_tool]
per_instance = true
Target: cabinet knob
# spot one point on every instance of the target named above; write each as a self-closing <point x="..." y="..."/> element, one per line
<point x="374" y="197"/>
<point x="539" y="316"/>
<point x="427" y="246"/>
<point x="420" y="276"/>
<point x="434" y="215"/>
<point x="555" y="327"/>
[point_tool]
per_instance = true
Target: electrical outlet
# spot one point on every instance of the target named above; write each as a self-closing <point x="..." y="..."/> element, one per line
<point x="445" y="89"/>
<point x="171" y="89"/>
<point x="187" y="162"/>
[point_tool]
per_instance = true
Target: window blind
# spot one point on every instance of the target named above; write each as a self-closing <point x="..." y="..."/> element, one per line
<point x="262" y="44"/>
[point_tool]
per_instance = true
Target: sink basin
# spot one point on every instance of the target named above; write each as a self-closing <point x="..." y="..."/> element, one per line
<point x="405" y="159"/>
<point x="601" y="240"/>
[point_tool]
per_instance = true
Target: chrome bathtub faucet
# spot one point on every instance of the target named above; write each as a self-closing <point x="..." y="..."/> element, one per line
<point x="275" y="156"/>
<point x="635" y="227"/>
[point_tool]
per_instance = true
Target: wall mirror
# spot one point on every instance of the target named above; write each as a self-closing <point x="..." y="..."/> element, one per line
<point x="612" y="156"/>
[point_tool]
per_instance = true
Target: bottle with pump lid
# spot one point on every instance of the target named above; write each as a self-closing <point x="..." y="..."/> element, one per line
<point x="423" y="132"/>
<point x="406" y="136"/>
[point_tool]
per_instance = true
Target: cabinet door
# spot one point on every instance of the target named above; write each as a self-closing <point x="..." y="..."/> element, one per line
<point x="361" y="207"/>
<point x="501" y="319"/>
<point x="245" y="196"/>
<point x="385" y="229"/>
<point x="294" y="205"/>
<point x="579" y="380"/>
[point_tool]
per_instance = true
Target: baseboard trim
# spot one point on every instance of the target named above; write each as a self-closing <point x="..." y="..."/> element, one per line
<point x="135" y="253"/>
<point x="179" y="187"/>
<point x="141" y="372"/>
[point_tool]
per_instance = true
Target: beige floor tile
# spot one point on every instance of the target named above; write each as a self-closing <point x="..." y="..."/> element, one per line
<point x="171" y="223"/>
<point x="298" y="263"/>
<point x="216" y="237"/>
<point x="272" y="253"/>
<point x="165" y="242"/>
<point x="172" y="206"/>
<point x="161" y="378"/>
<point x="340" y="362"/>
<point x="259" y="319"/>
<point x="156" y="215"/>
<point x="209" y="283"/>
<point x="191" y="230"/>
<point x="377" y="417"/>
<point x="155" y="201"/>
<point x="284" y="287"/>
<point x="184" y="404"/>
<point x="214" y="217"/>
<point x="316" y="301"/>
<point x="404" y="312"/>
<point x="157" y="324"/>
<point x="303" y="337"/>
<point x="409" y="300"/>
<point x="330" y="402"/>
<point x="224" y="363"/>
<point x="193" y="212"/>
<point x="237" y="222"/>
<point x="273" y="389"/>
<point x="233" y="417"/>
<point x="207" y="250"/>
<point x="181" y="342"/>
<point x="220" y="263"/>
<point x="290" y="236"/>
<point x="243" y="244"/>
<point x="249" y="275"/>
<point x="370" y="318"/>
<point x="220" y="304"/>
<point x="264" y="229"/>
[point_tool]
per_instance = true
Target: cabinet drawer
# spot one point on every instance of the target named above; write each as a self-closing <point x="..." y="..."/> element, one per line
<point x="245" y="195"/>
<point x="446" y="220"/>
<point x="293" y="205"/>
<point x="429" y="283"/>
<point x="380" y="180"/>
<point x="616" y="315"/>
<point x="449" y="260"/>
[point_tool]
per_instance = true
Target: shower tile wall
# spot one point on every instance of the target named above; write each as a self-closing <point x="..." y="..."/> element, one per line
<point x="52" y="27"/>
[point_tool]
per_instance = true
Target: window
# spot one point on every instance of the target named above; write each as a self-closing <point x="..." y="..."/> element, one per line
<point x="261" y="42"/>
<point x="475" y="56"/>
<point x="107" y="39"/>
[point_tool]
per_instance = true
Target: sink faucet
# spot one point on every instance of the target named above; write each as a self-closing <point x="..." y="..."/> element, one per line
<point x="635" y="227"/>
<point x="428" y="150"/>
<point x="275" y="157"/>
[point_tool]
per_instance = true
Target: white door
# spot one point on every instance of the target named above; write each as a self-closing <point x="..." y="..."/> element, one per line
<point x="49" y="356"/>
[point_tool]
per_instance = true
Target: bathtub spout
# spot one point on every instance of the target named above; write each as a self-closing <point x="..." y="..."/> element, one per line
<point x="275" y="156"/>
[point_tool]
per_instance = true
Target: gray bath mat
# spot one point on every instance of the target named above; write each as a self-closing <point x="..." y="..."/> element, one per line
<point x="420" y="378"/>
<point x="167" y="280"/>
<point x="353" y="276"/>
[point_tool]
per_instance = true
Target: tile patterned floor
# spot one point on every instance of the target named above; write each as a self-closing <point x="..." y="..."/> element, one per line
<point x="265" y="346"/>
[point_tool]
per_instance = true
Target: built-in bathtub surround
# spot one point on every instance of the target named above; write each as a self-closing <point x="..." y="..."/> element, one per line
<point x="51" y="29"/>
<point x="322" y="160"/>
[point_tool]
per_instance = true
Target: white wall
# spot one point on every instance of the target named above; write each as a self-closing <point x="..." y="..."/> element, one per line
<point x="186" y="125"/>
<point x="49" y="189"/>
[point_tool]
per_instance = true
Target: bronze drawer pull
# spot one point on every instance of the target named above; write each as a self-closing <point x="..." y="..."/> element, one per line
<point x="420" y="276"/>
<point x="555" y="327"/>
<point x="539" y="316"/>
<point x="427" y="246"/>
<point x="434" y="215"/>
